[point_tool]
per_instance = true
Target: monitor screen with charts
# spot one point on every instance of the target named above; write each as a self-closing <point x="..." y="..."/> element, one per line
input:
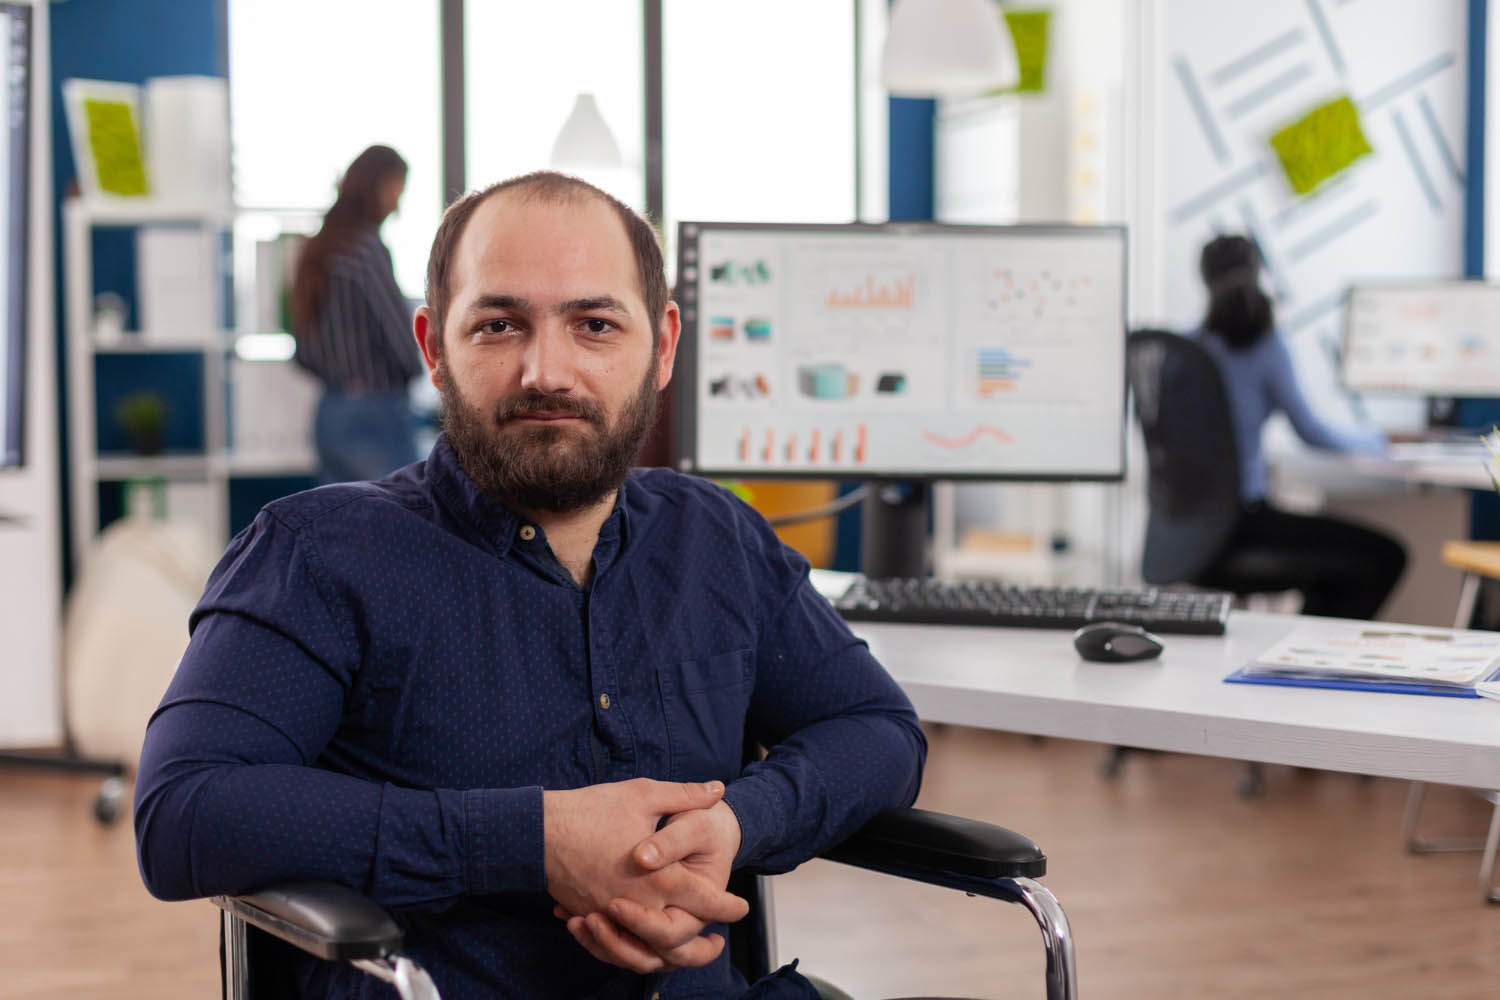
<point x="901" y="350"/>
<point x="1434" y="339"/>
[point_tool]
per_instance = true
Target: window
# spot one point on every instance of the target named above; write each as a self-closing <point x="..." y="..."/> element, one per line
<point x="758" y="111"/>
<point x="525" y="63"/>
<point x="312" y="84"/>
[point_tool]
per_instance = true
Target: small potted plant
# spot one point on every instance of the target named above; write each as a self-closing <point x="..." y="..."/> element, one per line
<point x="144" y="417"/>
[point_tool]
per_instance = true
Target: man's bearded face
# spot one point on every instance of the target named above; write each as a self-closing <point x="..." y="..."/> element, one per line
<point x="536" y="466"/>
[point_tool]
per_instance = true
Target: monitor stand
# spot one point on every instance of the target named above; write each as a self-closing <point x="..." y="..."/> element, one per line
<point x="893" y="531"/>
<point x="1442" y="411"/>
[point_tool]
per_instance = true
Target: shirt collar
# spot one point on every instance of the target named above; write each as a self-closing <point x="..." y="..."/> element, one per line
<point x="499" y="525"/>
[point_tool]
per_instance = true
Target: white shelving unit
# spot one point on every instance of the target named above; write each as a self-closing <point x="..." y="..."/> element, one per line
<point x="216" y="464"/>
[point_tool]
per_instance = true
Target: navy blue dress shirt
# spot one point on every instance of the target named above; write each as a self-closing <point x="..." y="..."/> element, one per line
<point x="383" y="677"/>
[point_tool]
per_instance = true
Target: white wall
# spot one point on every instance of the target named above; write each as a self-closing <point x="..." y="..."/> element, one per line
<point x="30" y="553"/>
<point x="1230" y="75"/>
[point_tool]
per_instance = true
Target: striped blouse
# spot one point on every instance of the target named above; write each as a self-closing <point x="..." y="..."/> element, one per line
<point x="361" y="340"/>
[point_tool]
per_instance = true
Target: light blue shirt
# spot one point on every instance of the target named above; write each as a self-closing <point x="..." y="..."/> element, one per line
<point x="1260" y="381"/>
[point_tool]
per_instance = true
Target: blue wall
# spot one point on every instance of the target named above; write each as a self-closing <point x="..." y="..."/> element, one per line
<point x="129" y="42"/>
<point x="1484" y="507"/>
<point x="912" y="132"/>
<point x="1474" y="142"/>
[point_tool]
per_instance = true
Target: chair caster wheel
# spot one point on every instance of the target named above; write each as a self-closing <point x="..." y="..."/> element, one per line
<point x="1113" y="764"/>
<point x="108" y="802"/>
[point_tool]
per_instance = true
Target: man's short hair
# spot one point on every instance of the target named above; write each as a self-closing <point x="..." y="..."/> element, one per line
<point x="557" y="188"/>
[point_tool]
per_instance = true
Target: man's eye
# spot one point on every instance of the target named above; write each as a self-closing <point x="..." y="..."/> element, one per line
<point x="496" y="326"/>
<point x="598" y="326"/>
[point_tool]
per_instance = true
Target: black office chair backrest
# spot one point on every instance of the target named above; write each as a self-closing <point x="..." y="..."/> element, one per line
<point x="1192" y="458"/>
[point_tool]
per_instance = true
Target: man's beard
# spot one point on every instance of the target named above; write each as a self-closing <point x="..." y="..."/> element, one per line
<point x="541" y="467"/>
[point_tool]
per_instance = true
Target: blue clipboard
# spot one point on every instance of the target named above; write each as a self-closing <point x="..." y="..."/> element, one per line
<point x="1353" y="684"/>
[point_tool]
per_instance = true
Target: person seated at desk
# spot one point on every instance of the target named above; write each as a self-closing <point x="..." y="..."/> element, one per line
<point x="1343" y="569"/>
<point x="474" y="688"/>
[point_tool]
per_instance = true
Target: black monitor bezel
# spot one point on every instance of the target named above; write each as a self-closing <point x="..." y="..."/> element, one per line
<point x="17" y="333"/>
<point x="685" y="374"/>
<point x="1400" y="284"/>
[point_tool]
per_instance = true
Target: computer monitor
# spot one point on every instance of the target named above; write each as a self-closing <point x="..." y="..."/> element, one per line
<point x="901" y="351"/>
<point x="15" y="92"/>
<point x="1430" y="338"/>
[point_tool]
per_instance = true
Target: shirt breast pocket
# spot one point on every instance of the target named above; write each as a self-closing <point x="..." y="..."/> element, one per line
<point x="704" y="703"/>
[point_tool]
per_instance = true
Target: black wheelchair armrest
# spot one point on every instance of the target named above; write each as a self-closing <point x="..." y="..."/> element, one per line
<point x="324" y="919"/>
<point x="913" y="841"/>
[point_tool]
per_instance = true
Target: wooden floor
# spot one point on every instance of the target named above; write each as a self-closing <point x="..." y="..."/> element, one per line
<point x="1174" y="887"/>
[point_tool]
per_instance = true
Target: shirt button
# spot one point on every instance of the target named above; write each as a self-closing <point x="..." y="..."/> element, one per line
<point x="604" y="702"/>
<point x="527" y="532"/>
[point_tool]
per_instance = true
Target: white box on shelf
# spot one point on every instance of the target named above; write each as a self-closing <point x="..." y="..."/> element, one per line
<point x="187" y="138"/>
<point x="272" y="409"/>
<point x="177" y="275"/>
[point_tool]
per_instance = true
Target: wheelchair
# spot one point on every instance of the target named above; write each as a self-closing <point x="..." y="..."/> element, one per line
<point x="338" y="924"/>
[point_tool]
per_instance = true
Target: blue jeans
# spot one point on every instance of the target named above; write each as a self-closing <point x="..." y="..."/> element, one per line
<point x="363" y="436"/>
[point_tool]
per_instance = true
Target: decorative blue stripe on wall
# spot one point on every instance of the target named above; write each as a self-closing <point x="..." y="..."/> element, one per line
<point x="912" y="128"/>
<point x="1484" y="506"/>
<point x="1474" y="159"/>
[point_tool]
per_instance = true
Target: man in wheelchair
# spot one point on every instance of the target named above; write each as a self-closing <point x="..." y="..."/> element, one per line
<point x="505" y="691"/>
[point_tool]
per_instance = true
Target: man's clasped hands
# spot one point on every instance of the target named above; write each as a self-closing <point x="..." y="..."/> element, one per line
<point x="634" y="895"/>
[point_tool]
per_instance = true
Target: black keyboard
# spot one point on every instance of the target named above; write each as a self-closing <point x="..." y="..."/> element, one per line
<point x="927" y="601"/>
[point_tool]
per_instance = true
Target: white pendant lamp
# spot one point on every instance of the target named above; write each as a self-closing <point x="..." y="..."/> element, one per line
<point x="585" y="141"/>
<point x="947" y="48"/>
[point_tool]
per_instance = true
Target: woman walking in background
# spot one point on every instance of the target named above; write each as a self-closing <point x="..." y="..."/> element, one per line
<point x="353" y="327"/>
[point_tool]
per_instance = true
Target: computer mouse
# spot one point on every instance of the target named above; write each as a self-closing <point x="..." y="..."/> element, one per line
<point x="1115" y="642"/>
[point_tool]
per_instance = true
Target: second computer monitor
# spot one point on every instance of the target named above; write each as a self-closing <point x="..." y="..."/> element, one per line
<point x="1433" y="339"/>
<point x="914" y="351"/>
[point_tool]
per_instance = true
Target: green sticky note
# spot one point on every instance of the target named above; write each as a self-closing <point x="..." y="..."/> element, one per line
<point x="115" y="147"/>
<point x="1320" y="144"/>
<point x="1028" y="28"/>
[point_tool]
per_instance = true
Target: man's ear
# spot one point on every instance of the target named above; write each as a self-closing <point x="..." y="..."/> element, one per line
<point x="430" y="340"/>
<point x="667" y="337"/>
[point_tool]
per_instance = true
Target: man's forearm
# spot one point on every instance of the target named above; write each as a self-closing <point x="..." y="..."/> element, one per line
<point x="208" y="822"/>
<point x="821" y="785"/>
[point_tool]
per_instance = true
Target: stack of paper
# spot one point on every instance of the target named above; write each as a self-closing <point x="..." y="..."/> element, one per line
<point x="1382" y="655"/>
<point x="177" y="275"/>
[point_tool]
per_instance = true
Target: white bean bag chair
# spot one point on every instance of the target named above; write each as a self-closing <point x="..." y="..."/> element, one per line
<point x="125" y="628"/>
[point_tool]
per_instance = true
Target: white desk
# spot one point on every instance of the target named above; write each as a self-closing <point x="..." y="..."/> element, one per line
<point x="1032" y="681"/>
<point x="1419" y="494"/>
<point x="1452" y="466"/>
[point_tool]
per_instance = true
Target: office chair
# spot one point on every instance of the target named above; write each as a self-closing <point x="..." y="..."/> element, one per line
<point x="338" y="924"/>
<point x="1193" y="486"/>
<point x="1193" y="482"/>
